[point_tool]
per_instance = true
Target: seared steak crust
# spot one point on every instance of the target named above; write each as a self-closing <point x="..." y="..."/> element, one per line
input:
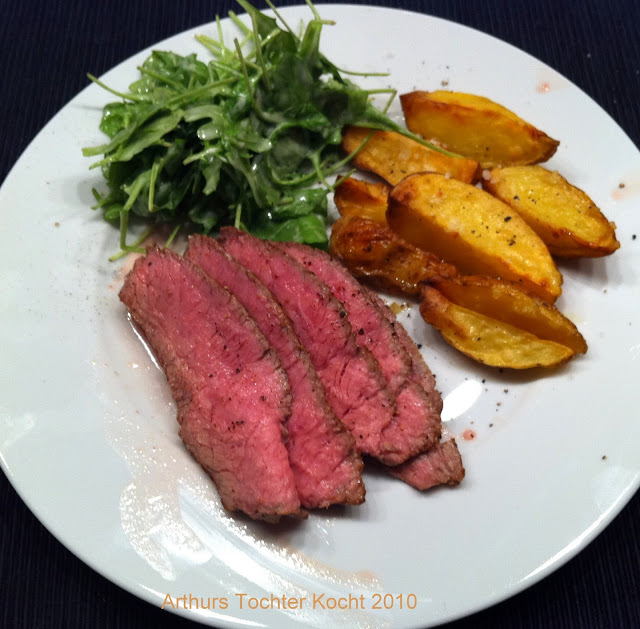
<point x="355" y="387"/>
<point x="440" y="465"/>
<point x="322" y="452"/>
<point x="420" y="372"/>
<point x="414" y="427"/>
<point x="231" y="391"/>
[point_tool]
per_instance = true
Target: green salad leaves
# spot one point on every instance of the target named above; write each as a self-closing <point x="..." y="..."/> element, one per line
<point x="249" y="139"/>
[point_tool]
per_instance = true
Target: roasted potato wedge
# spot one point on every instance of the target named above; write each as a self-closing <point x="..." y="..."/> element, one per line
<point x="507" y="302"/>
<point x="487" y="340"/>
<point x="356" y="197"/>
<point x="393" y="156"/>
<point x="373" y="253"/>
<point x="476" y="127"/>
<point x="567" y="220"/>
<point x="476" y="232"/>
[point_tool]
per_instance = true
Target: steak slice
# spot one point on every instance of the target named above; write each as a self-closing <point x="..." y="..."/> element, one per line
<point x="322" y="452"/>
<point x="232" y="394"/>
<point x="420" y="372"/>
<point x="415" y="427"/>
<point x="412" y="381"/>
<point x="440" y="465"/>
<point x="354" y="384"/>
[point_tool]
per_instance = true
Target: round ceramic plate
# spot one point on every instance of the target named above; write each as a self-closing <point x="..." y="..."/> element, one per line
<point x="88" y="433"/>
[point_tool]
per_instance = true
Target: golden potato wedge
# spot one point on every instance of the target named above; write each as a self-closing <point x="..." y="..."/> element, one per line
<point x="567" y="220"/>
<point x="393" y="156"/>
<point x="476" y="127"/>
<point x="373" y="253"/>
<point x="507" y="302"/>
<point x="476" y="232"/>
<point x="356" y="197"/>
<point x="487" y="340"/>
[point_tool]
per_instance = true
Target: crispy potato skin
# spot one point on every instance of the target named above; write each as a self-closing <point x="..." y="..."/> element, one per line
<point x="393" y="156"/>
<point x="507" y="302"/>
<point x="476" y="127"/>
<point x="487" y="340"/>
<point x="356" y="197"/>
<point x="373" y="253"/>
<point x="565" y="218"/>
<point x="469" y="228"/>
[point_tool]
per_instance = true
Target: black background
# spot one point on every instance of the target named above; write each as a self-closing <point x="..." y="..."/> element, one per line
<point x="46" y="48"/>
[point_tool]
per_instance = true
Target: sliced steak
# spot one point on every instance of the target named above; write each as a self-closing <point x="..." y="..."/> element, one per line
<point x="322" y="452"/>
<point x="415" y="427"/>
<point x="440" y="465"/>
<point x="353" y="381"/>
<point x="420" y="372"/>
<point x="231" y="391"/>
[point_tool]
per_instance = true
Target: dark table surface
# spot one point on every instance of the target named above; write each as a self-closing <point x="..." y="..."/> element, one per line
<point x="46" y="49"/>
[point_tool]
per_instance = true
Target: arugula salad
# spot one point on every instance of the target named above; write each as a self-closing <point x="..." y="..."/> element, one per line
<point x="250" y="138"/>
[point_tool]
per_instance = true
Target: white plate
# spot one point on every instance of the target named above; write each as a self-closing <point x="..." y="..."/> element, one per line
<point x="88" y="432"/>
